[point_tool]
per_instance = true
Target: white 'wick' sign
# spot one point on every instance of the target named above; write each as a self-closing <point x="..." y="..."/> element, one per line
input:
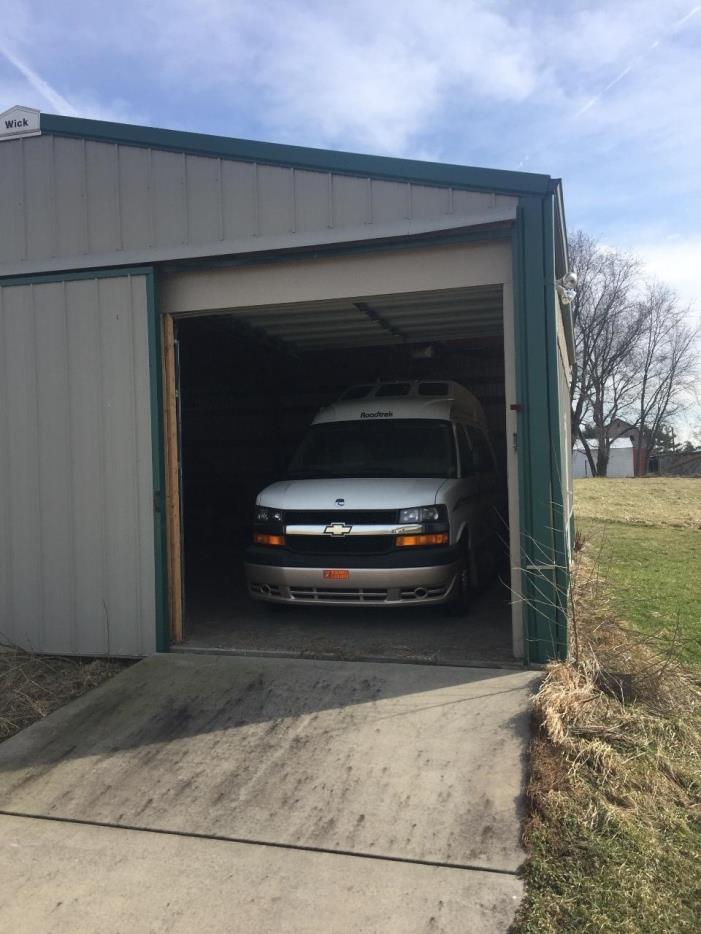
<point x="19" y="121"/>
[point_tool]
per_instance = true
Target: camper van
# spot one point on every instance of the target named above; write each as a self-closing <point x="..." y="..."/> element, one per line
<point x="393" y="498"/>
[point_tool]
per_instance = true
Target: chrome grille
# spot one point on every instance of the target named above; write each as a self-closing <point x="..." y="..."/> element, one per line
<point x="346" y="594"/>
<point x="347" y="516"/>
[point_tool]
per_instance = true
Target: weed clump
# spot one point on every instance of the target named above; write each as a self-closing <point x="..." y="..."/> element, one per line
<point x="32" y="686"/>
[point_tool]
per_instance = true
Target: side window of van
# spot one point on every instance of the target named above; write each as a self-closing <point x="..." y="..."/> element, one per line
<point x="468" y="466"/>
<point x="483" y="453"/>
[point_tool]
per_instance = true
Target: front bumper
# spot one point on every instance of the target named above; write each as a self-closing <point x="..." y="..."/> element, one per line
<point x="418" y="576"/>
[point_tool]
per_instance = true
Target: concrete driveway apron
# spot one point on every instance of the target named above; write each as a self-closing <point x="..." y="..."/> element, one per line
<point x="410" y="774"/>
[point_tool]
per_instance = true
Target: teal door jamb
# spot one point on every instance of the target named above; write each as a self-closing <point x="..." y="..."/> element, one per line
<point x="543" y="571"/>
<point x="558" y="483"/>
<point x="155" y="354"/>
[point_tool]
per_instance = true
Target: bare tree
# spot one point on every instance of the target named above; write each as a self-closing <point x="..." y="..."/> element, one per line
<point x="666" y="366"/>
<point x="607" y="324"/>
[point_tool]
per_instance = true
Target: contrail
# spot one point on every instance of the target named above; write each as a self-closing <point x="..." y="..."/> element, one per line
<point x="57" y="101"/>
<point x="594" y="100"/>
<point x="680" y="22"/>
<point x="635" y="62"/>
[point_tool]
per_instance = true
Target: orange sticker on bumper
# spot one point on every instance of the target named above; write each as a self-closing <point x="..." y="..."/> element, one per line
<point x="336" y="574"/>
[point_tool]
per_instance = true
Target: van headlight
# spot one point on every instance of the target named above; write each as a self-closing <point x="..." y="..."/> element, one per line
<point x="266" y="514"/>
<point x="418" y="514"/>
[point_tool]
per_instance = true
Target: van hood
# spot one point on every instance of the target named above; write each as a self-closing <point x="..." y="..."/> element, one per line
<point x="359" y="493"/>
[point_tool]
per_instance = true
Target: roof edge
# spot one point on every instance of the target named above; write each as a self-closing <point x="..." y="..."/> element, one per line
<point x="301" y="157"/>
<point x="562" y="261"/>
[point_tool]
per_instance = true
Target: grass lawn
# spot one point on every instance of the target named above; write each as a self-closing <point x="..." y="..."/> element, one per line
<point x="659" y="501"/>
<point x="614" y="793"/>
<point x="645" y="536"/>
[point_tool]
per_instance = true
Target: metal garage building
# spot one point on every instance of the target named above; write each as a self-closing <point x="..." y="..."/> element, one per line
<point x="111" y="236"/>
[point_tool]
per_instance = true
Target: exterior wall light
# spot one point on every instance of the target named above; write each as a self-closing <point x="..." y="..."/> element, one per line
<point x="567" y="288"/>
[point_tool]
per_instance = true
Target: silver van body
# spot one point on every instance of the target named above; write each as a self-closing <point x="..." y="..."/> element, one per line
<point x="392" y="499"/>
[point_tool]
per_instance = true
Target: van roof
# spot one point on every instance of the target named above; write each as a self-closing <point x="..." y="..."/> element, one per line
<point x="434" y="398"/>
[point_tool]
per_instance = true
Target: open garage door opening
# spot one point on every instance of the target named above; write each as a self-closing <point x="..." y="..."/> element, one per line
<point x="249" y="384"/>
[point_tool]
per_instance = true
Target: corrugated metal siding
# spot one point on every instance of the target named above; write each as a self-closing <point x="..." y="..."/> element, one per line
<point x="66" y="201"/>
<point x="76" y="494"/>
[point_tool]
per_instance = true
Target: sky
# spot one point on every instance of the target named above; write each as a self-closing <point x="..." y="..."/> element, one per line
<point x="605" y="95"/>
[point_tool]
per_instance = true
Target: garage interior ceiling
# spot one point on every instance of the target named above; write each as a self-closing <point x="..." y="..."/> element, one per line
<point x="425" y="317"/>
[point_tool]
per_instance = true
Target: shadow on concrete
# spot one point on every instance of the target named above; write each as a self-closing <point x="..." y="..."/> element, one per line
<point x="164" y="699"/>
<point x="411" y="761"/>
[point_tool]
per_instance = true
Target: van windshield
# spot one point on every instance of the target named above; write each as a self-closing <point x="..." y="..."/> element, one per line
<point x="408" y="448"/>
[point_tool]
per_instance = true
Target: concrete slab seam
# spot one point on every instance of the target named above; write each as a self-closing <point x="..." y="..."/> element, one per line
<point x="433" y="864"/>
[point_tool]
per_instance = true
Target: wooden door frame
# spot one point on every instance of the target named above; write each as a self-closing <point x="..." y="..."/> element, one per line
<point x="172" y="478"/>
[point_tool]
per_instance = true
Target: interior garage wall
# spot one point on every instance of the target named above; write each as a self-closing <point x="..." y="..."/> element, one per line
<point x="76" y="486"/>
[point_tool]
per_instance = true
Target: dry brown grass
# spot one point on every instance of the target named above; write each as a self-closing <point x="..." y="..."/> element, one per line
<point x="659" y="501"/>
<point x="32" y="686"/>
<point x="615" y="786"/>
<point x="623" y="694"/>
<point x="602" y="642"/>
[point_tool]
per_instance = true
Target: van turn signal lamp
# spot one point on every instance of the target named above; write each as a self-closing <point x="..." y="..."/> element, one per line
<point x="406" y="541"/>
<point x="261" y="538"/>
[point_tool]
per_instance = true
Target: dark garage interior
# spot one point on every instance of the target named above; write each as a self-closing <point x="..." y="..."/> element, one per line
<point x="250" y="384"/>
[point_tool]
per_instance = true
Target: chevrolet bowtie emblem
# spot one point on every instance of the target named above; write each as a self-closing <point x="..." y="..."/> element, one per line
<point x="337" y="528"/>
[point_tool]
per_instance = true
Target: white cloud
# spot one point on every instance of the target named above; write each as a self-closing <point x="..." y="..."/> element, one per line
<point x="365" y="74"/>
<point x="377" y="73"/>
<point x="602" y="36"/>
<point x="676" y="262"/>
<point x="384" y="75"/>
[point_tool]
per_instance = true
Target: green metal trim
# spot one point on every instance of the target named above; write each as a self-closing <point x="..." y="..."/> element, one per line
<point x="300" y="157"/>
<point x="562" y="265"/>
<point x="562" y="259"/>
<point x="545" y="627"/>
<point x="523" y="464"/>
<point x="69" y="276"/>
<point x="558" y="484"/>
<point x="158" y="456"/>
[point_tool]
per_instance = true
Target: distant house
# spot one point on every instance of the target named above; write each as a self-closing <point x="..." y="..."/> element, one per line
<point x="641" y="450"/>
<point x="621" y="459"/>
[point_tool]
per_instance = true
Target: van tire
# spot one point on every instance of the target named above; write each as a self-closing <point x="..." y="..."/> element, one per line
<point x="461" y="598"/>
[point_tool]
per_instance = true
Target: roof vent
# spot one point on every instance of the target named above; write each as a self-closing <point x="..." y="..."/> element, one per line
<point x="434" y="389"/>
<point x="392" y="389"/>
